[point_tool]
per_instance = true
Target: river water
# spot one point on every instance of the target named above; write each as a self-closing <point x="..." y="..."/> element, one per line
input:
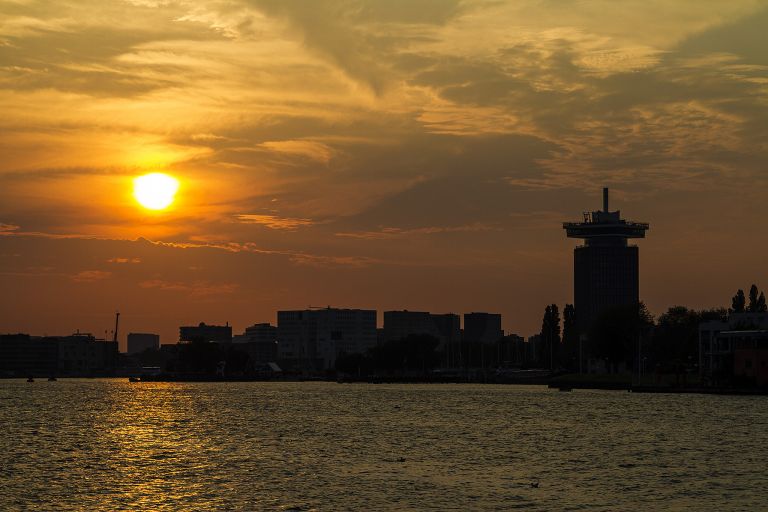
<point x="115" y="445"/>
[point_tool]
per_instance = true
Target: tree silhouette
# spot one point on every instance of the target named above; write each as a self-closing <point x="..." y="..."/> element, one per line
<point x="616" y="332"/>
<point x="753" y="298"/>
<point x="550" y="334"/>
<point x="761" y="306"/>
<point x="738" y="302"/>
<point x="570" y="338"/>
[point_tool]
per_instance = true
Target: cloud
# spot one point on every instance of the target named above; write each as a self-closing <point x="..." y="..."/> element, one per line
<point x="124" y="260"/>
<point x="314" y="260"/>
<point x="8" y="229"/>
<point x="306" y="148"/>
<point x="195" y="288"/>
<point x="393" y="232"/>
<point x="89" y="276"/>
<point x="274" y="221"/>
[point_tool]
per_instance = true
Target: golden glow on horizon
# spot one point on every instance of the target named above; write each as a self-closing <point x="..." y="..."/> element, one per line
<point x="155" y="191"/>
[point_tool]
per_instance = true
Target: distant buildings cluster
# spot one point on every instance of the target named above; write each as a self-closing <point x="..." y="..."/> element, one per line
<point x="312" y="339"/>
<point x="76" y="355"/>
<point x="305" y="341"/>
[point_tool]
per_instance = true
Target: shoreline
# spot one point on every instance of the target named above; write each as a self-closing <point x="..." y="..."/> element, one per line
<point x="551" y="383"/>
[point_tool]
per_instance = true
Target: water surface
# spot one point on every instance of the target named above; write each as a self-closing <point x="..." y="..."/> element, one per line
<point x="115" y="445"/>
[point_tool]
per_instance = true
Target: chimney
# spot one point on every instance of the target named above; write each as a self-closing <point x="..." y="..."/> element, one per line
<point x="605" y="199"/>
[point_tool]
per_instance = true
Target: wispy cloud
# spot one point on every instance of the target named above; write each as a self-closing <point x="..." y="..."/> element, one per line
<point x="305" y="148"/>
<point x="392" y="232"/>
<point x="194" y="289"/>
<point x="8" y="229"/>
<point x="89" y="276"/>
<point x="124" y="260"/>
<point x="274" y="221"/>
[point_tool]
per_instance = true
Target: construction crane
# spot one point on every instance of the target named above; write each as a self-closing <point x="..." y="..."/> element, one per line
<point x="117" y="320"/>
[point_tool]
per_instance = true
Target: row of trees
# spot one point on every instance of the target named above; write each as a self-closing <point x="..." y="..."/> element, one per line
<point x="756" y="302"/>
<point x="623" y="333"/>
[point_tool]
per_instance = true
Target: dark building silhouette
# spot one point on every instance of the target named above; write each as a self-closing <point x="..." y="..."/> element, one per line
<point x="606" y="268"/>
<point x="400" y="324"/>
<point x="446" y="328"/>
<point x="76" y="355"/>
<point x="204" y="332"/>
<point x="311" y="339"/>
<point x="81" y="354"/>
<point x="22" y="355"/>
<point x="259" y="341"/>
<point x="138" y="342"/>
<point x="482" y="327"/>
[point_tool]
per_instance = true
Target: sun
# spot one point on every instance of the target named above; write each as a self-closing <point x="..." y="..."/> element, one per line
<point x="155" y="191"/>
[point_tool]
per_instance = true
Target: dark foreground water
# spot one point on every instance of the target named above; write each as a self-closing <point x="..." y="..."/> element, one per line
<point x="113" y="445"/>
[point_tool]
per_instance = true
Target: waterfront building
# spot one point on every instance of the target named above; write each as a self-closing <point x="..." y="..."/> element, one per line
<point x="534" y="348"/>
<point x="482" y="328"/>
<point x="401" y="324"/>
<point x="82" y="355"/>
<point x="512" y="351"/>
<point x="77" y="355"/>
<point x="311" y="339"/>
<point x="138" y="342"/>
<point x="264" y="332"/>
<point x="448" y="331"/>
<point x="204" y="332"/>
<point x="750" y="356"/>
<point x="606" y="268"/>
<point x="744" y="334"/>
<point x="259" y="341"/>
<point x="22" y="355"/>
<point x="448" y="327"/>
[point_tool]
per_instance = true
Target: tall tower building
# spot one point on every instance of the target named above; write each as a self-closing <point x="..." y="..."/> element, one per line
<point x="606" y="268"/>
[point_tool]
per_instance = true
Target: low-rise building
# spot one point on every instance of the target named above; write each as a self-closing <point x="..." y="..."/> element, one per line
<point x="76" y="355"/>
<point x="22" y="355"/>
<point x="138" y="342"/>
<point x="750" y="356"/>
<point x="482" y="327"/>
<point x="719" y="341"/>
<point x="311" y="339"/>
<point x="206" y="333"/>
<point x="259" y="341"/>
<point x="401" y="324"/>
<point x="82" y="355"/>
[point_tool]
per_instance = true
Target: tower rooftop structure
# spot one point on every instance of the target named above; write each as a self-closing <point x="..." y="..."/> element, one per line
<point x="605" y="227"/>
<point x="606" y="269"/>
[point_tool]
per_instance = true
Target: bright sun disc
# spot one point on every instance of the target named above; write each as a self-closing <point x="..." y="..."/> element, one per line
<point x="155" y="191"/>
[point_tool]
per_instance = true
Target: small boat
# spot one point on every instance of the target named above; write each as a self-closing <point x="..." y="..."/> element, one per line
<point x="134" y="379"/>
<point x="30" y="379"/>
<point x="51" y="379"/>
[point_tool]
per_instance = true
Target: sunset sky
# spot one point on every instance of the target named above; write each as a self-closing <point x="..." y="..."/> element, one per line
<point x="391" y="154"/>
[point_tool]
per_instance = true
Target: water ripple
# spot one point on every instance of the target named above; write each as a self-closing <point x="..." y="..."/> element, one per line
<point x="112" y="445"/>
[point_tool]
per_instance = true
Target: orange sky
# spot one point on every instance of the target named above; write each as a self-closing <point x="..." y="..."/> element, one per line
<point x="414" y="154"/>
